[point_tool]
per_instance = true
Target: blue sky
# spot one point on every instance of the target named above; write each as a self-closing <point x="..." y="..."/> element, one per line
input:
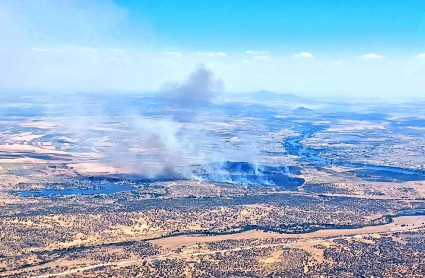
<point x="354" y="48"/>
<point x="284" y="25"/>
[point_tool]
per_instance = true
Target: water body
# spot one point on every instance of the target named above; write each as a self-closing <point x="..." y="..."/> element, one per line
<point x="107" y="188"/>
<point x="246" y="173"/>
<point x="410" y="212"/>
<point x="294" y="147"/>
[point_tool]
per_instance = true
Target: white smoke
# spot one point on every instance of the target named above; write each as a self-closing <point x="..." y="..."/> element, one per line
<point x="166" y="148"/>
<point x="163" y="146"/>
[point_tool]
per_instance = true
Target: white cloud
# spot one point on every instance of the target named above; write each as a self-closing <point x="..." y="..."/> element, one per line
<point x="263" y="58"/>
<point x="173" y="54"/>
<point x="372" y="56"/>
<point x="39" y="49"/>
<point x="76" y="48"/>
<point x="256" y="52"/>
<point x="305" y="55"/>
<point x="168" y="58"/>
<point x="87" y="31"/>
<point x="211" y="54"/>
<point x="338" y="63"/>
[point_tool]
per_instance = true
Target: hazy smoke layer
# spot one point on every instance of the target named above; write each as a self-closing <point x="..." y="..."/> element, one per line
<point x="150" y="148"/>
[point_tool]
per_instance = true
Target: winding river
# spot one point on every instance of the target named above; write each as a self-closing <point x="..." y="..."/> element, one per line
<point x="294" y="147"/>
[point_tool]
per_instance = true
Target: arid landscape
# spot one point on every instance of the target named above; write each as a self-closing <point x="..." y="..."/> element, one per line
<point x="212" y="139"/>
<point x="266" y="192"/>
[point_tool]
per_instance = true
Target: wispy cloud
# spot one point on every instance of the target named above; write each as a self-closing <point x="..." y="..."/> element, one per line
<point x="259" y="55"/>
<point x="256" y="52"/>
<point x="263" y="58"/>
<point x="63" y="22"/>
<point x="77" y="48"/>
<point x="372" y="56"/>
<point x="304" y="55"/>
<point x="173" y="54"/>
<point x="421" y="56"/>
<point x="39" y="49"/>
<point x="212" y="54"/>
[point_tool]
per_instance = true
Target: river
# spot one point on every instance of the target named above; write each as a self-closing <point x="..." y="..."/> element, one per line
<point x="294" y="147"/>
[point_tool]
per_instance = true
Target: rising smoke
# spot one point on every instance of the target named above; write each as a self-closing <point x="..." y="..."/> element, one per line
<point x="172" y="147"/>
<point x="165" y="146"/>
<point x="200" y="86"/>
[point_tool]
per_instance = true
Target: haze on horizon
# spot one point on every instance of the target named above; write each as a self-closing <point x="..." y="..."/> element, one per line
<point x="334" y="48"/>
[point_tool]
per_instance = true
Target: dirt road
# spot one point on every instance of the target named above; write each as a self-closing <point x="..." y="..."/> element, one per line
<point x="179" y="256"/>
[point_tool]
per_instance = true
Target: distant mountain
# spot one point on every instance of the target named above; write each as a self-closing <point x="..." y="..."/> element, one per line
<point x="268" y="96"/>
<point x="302" y="111"/>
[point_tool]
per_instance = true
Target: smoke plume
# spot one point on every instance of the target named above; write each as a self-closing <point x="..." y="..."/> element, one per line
<point x="166" y="147"/>
<point x="178" y="134"/>
<point x="200" y="86"/>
